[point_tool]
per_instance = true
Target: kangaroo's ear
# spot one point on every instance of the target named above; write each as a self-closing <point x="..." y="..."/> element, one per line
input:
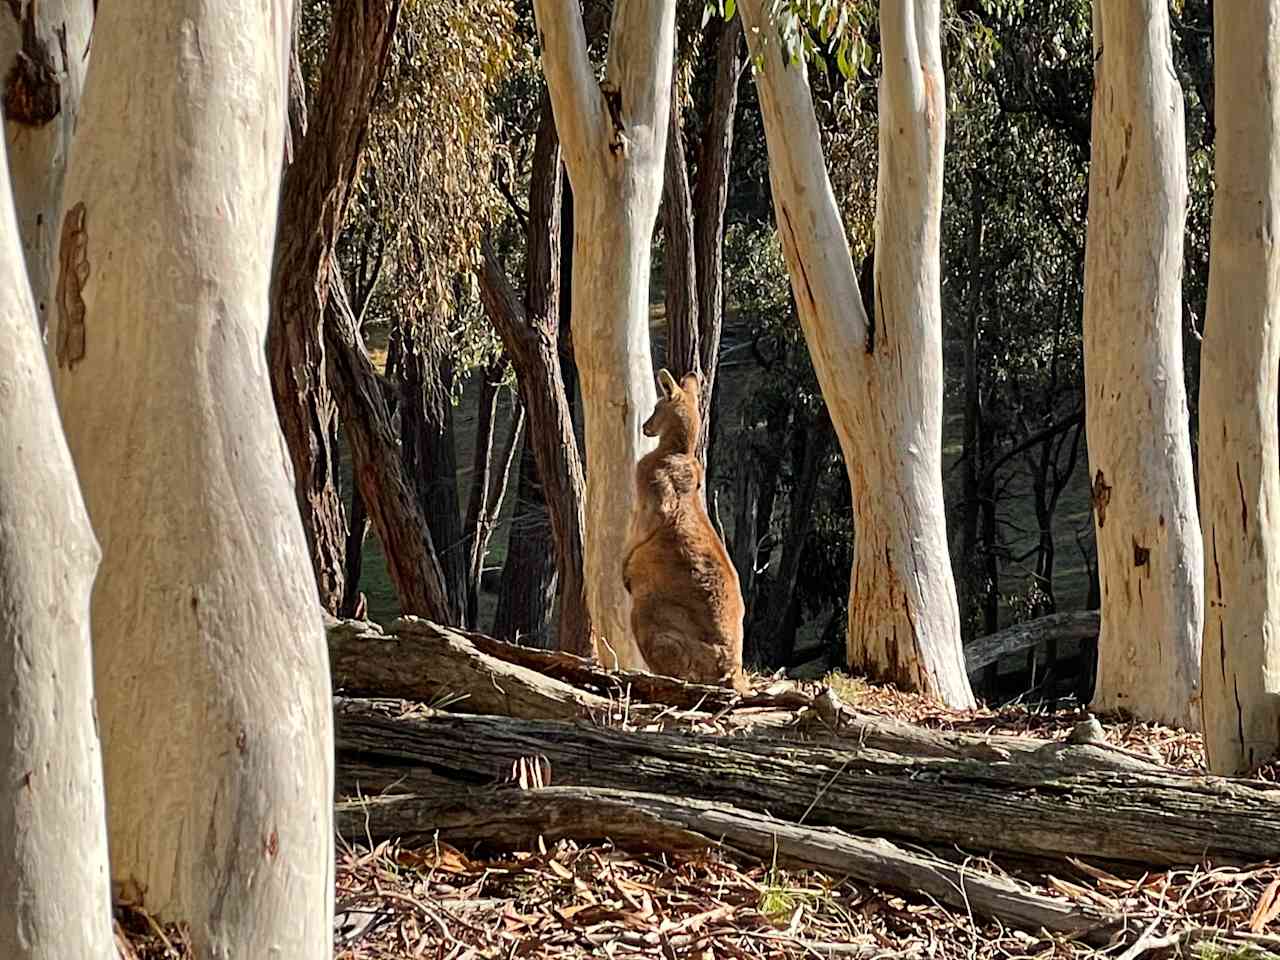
<point x="689" y="383"/>
<point x="667" y="383"/>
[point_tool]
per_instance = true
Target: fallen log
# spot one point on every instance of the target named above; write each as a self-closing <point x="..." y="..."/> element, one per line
<point x="615" y="684"/>
<point x="1078" y="625"/>
<point x="654" y="822"/>
<point x="1033" y="806"/>
<point x="471" y="673"/>
<point x="1084" y="749"/>
<point x="436" y="665"/>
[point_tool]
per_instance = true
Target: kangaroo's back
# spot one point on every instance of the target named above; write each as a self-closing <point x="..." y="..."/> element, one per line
<point x="687" y="604"/>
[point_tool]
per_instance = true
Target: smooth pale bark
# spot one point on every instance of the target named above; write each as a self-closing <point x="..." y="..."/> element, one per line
<point x="209" y="653"/>
<point x="1239" y="466"/>
<point x="44" y="50"/>
<point x="1149" y="546"/>
<point x="881" y="379"/>
<point x="55" y="894"/>
<point x="614" y="136"/>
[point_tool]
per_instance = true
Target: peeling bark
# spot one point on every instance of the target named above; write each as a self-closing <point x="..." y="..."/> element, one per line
<point x="43" y="57"/>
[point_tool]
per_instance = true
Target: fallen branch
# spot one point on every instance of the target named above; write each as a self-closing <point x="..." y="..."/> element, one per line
<point x="1077" y="626"/>
<point x="1037" y="806"/>
<point x="664" y="823"/>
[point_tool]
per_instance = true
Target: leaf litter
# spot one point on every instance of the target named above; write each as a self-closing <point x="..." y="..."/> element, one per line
<point x="571" y="900"/>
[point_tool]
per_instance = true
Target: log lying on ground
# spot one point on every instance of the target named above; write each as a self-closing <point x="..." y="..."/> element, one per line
<point x="476" y="674"/>
<point x="1076" y="626"/>
<point x="421" y="661"/>
<point x="439" y="665"/>
<point x="686" y="826"/>
<point x="619" y="685"/>
<point x="1080" y="752"/>
<point x="1035" y="807"/>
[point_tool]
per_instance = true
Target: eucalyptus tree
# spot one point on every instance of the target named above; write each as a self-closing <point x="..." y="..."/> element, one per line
<point x="1240" y="469"/>
<point x="1149" y="548"/>
<point x="881" y="374"/>
<point x="44" y="51"/>
<point x="217" y="745"/>
<point x="55" y="893"/>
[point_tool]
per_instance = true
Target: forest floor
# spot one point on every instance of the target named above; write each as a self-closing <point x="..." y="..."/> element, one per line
<point x="567" y="900"/>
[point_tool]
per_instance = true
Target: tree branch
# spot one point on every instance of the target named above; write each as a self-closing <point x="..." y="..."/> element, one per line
<point x="575" y="96"/>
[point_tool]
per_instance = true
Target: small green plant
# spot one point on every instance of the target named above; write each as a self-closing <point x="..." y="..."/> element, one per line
<point x="1209" y="950"/>
<point x="776" y="901"/>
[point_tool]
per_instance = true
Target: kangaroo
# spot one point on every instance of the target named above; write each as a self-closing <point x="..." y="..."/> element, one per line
<point x="686" y="601"/>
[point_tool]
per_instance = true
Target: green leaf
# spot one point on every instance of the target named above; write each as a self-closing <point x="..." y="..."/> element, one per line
<point x="842" y="60"/>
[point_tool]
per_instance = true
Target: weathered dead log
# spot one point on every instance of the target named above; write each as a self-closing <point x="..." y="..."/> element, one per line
<point x="621" y="684"/>
<point x="424" y="662"/>
<point x="655" y="822"/>
<point x="1034" y="806"/>
<point x="1079" y="625"/>
<point x="434" y="664"/>
<point x="1084" y="749"/>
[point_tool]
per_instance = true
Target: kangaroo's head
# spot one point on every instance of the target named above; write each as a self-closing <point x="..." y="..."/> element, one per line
<point x="675" y="419"/>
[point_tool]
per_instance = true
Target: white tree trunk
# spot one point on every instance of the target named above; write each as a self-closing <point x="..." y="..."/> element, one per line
<point x="210" y="658"/>
<point x="55" y="898"/>
<point x="882" y="382"/>
<point x="1149" y="547"/>
<point x="1239" y="466"/>
<point x="44" y="50"/>
<point x="614" y="135"/>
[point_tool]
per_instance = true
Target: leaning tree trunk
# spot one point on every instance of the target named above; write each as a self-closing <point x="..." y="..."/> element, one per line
<point x="614" y="134"/>
<point x="710" y="197"/>
<point x="43" y="56"/>
<point x="532" y="332"/>
<point x="882" y="380"/>
<point x="54" y="887"/>
<point x="1149" y="550"/>
<point x="313" y="206"/>
<point x="1239" y="466"/>
<point x="211" y="670"/>
<point x="430" y="457"/>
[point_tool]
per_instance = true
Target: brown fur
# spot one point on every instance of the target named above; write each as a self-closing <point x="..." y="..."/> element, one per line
<point x="686" y="602"/>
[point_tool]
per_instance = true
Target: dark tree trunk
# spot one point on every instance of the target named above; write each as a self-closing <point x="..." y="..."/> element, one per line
<point x="481" y="470"/>
<point x="490" y="473"/>
<point x="767" y="465"/>
<point x="681" y="292"/>
<point x="1045" y="603"/>
<point x="990" y="545"/>
<point x="430" y="457"/>
<point x="529" y="333"/>
<point x="392" y="502"/>
<point x="313" y="204"/>
<point x="527" y="594"/>
<point x="710" y="197"/>
<point x="970" y="567"/>
<point x="745" y="533"/>
<point x="354" y="605"/>
<point x="775" y="638"/>
<point x="693" y="223"/>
